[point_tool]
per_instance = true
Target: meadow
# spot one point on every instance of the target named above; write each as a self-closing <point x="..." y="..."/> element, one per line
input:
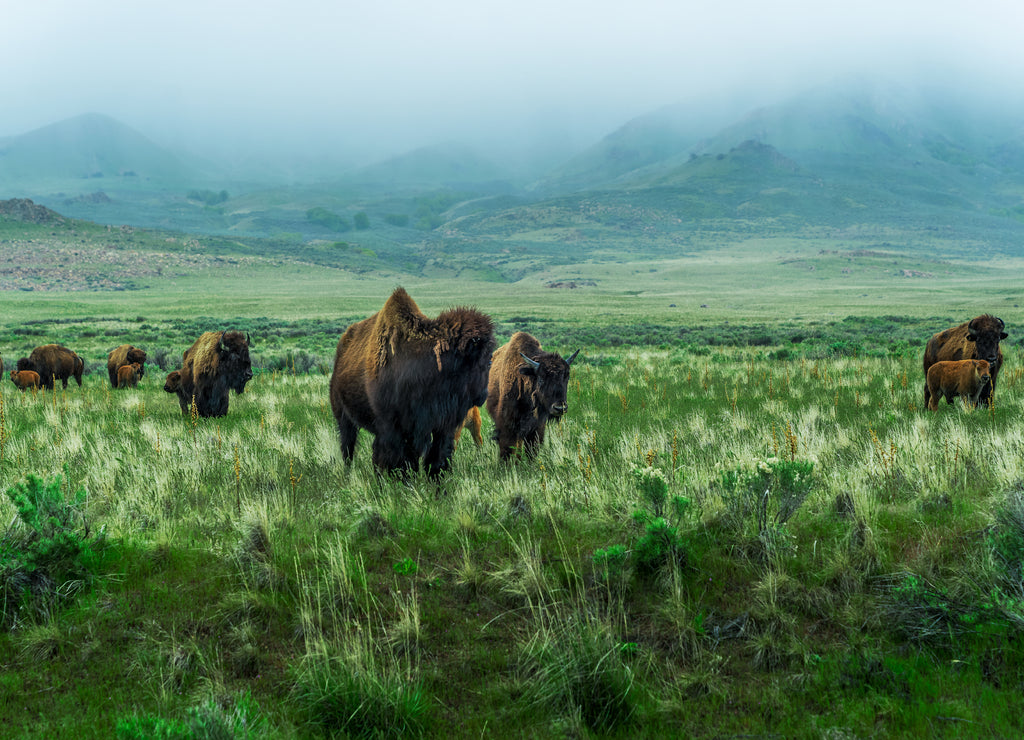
<point x="715" y="541"/>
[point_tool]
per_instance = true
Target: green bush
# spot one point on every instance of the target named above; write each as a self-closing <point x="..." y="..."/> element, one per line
<point x="46" y="553"/>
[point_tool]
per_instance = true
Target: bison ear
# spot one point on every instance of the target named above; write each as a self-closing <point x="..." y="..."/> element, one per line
<point x="1003" y="335"/>
<point x="971" y="337"/>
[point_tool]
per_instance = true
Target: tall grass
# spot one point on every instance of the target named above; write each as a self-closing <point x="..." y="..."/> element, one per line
<point x="806" y="512"/>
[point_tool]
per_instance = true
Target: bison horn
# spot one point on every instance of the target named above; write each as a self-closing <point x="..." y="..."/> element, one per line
<point x="532" y="363"/>
<point x="572" y="357"/>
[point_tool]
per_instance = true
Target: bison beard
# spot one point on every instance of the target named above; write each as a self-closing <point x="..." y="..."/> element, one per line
<point x="215" y="363"/>
<point x="410" y="380"/>
<point x="54" y="362"/>
<point x="126" y="354"/>
<point x="527" y="387"/>
<point x="977" y="339"/>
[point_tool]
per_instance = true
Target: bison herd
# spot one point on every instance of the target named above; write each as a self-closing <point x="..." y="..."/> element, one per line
<point x="414" y="382"/>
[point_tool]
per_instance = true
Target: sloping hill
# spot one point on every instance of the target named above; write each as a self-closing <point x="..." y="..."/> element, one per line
<point x="87" y="147"/>
<point x="446" y="165"/>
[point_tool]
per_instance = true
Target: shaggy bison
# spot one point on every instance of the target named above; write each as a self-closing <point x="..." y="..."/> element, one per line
<point x="128" y="375"/>
<point x="952" y="378"/>
<point x="215" y="363"/>
<point x="410" y="380"/>
<point x="977" y="339"/>
<point x="25" y="379"/>
<point x="126" y="354"/>
<point x="527" y="387"/>
<point x="54" y="362"/>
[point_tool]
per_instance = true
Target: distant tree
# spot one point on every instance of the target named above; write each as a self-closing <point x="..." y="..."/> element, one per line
<point x="397" y="219"/>
<point x="361" y="220"/>
<point x="208" y="197"/>
<point x="327" y="219"/>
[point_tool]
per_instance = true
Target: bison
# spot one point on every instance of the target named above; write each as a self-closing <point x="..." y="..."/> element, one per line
<point x="952" y="378"/>
<point x="216" y="363"/>
<point x="527" y="386"/>
<point x="128" y="375"/>
<point x="173" y="385"/>
<point x="25" y="379"/>
<point x="473" y="423"/>
<point x="126" y="354"/>
<point x="54" y="362"/>
<point x="977" y="339"/>
<point x="410" y="380"/>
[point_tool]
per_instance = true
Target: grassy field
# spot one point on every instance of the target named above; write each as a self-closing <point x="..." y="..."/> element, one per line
<point x="745" y="525"/>
<point x="713" y="542"/>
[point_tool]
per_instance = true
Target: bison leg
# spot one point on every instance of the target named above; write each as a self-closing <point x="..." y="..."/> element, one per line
<point x="392" y="455"/>
<point x="439" y="455"/>
<point x="347" y="434"/>
<point x="533" y="442"/>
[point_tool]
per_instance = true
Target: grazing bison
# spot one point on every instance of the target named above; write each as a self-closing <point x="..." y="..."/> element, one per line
<point x="952" y="378"/>
<point x="25" y="379"/>
<point x="215" y="363"/>
<point x="977" y="339"/>
<point x="126" y="354"/>
<point x="128" y="375"/>
<point x="527" y="387"/>
<point x="54" y="362"/>
<point x="173" y="385"/>
<point x="410" y="380"/>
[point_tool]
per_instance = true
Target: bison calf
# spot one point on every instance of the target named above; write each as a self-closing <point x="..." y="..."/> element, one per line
<point x="174" y="384"/>
<point x="952" y="378"/>
<point x="526" y="387"/>
<point x="473" y="423"/>
<point x="128" y="375"/>
<point x="977" y="339"/>
<point x="25" y="379"/>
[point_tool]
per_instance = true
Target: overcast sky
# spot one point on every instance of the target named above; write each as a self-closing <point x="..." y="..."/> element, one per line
<point x="383" y="75"/>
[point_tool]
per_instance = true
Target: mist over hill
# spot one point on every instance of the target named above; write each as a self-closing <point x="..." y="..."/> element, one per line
<point x="864" y="153"/>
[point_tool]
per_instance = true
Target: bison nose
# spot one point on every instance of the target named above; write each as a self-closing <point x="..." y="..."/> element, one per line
<point x="560" y="407"/>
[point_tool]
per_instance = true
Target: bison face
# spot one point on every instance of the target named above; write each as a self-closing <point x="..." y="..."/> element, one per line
<point x="981" y="372"/>
<point x="985" y="332"/>
<point x="234" y="360"/>
<point x="173" y="382"/>
<point x="550" y="376"/>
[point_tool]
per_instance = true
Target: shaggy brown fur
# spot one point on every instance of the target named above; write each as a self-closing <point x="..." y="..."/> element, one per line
<point x="474" y="424"/>
<point x="126" y="354"/>
<point x="527" y="386"/>
<point x="952" y="378"/>
<point x="173" y="384"/>
<point x="54" y="362"/>
<point x="977" y="339"/>
<point x="215" y="363"/>
<point x="25" y="379"/>
<point x="128" y="375"/>
<point x="410" y="380"/>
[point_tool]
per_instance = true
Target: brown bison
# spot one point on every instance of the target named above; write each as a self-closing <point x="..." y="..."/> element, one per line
<point x="54" y="362"/>
<point x="474" y="424"/>
<point x="952" y="378"/>
<point x="128" y="375"/>
<point x="977" y="339"/>
<point x="25" y="379"/>
<point x="216" y="363"/>
<point x="527" y="387"/>
<point x="173" y="385"/>
<point x="410" y="380"/>
<point x="126" y="354"/>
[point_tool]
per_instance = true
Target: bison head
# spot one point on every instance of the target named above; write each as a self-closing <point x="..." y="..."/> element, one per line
<point x="234" y="359"/>
<point x="550" y="375"/>
<point x="981" y="372"/>
<point x="173" y="382"/>
<point x="986" y="331"/>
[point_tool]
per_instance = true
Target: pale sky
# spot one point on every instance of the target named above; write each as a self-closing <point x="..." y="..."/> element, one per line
<point x="385" y="75"/>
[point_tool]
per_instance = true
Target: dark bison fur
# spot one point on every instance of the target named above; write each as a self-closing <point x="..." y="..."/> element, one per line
<point x="216" y="363"/>
<point x="410" y="380"/>
<point x="54" y="362"/>
<point x="527" y="387"/>
<point x="126" y="354"/>
<point x="25" y="379"/>
<point x="977" y="339"/>
<point x="952" y="378"/>
<point x="173" y="385"/>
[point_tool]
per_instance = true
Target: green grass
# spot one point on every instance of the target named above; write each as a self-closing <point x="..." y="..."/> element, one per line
<point x="242" y="557"/>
